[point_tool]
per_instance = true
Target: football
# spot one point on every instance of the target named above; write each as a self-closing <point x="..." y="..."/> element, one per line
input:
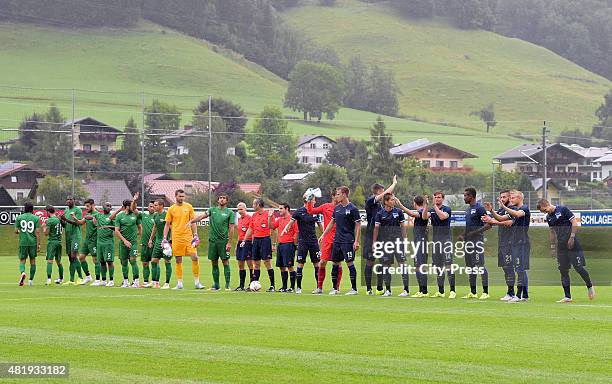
<point x="255" y="286"/>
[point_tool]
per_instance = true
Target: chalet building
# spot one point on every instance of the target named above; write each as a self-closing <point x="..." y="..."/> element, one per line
<point x="19" y="180"/>
<point x="436" y="156"/>
<point x="567" y="164"/>
<point x="176" y="141"/>
<point x="313" y="149"/>
<point x="92" y="138"/>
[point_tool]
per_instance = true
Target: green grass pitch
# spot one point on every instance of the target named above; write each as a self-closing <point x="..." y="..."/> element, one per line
<point x="111" y="335"/>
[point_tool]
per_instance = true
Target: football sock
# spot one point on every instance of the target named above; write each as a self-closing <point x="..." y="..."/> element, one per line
<point x="271" y="276"/>
<point x="485" y="280"/>
<point x="97" y="270"/>
<point x="353" y="275"/>
<point x="451" y="281"/>
<point x="339" y="277"/>
<point x="379" y="282"/>
<point x="334" y="275"/>
<point x="367" y="273"/>
<point x="316" y="273"/>
<point x="168" y="272"/>
<point x="405" y="281"/>
<point x="71" y="267"/>
<point x="135" y="272"/>
<point x="284" y="278"/>
<point x="387" y="278"/>
<point x="85" y="267"/>
<point x="124" y="269"/>
<point x="585" y="275"/>
<point x="519" y="291"/>
<point x="111" y="272"/>
<point x="49" y="270"/>
<point x="103" y="270"/>
<point x="298" y="275"/>
<point x="440" y="279"/>
<point x="242" y="274"/>
<point x="292" y="277"/>
<point x="256" y="274"/>
<point x="227" y="274"/>
<point x="21" y="268"/>
<point x="250" y="275"/>
<point x="215" y="275"/>
<point x="566" y="289"/>
<point x="154" y="271"/>
<point x="61" y="271"/>
<point x="179" y="271"/>
<point x="146" y="272"/>
<point x="321" y="278"/>
<point x="32" y="271"/>
<point x="195" y="269"/>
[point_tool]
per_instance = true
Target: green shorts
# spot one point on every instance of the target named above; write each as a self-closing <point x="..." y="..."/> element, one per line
<point x="88" y="248"/>
<point x="26" y="251"/>
<point x="216" y="250"/>
<point x="106" y="252"/>
<point x="157" y="252"/>
<point x="145" y="253"/>
<point x="72" y="244"/>
<point x="54" y="250"/>
<point x="128" y="253"/>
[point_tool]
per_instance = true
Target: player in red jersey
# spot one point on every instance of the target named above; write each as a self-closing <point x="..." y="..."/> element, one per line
<point x="286" y="242"/>
<point x="326" y="241"/>
<point x="243" y="253"/>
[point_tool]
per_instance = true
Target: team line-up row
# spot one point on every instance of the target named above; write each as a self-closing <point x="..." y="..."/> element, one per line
<point x="172" y="233"/>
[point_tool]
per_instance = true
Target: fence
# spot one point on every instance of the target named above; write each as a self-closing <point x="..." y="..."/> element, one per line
<point x="159" y="130"/>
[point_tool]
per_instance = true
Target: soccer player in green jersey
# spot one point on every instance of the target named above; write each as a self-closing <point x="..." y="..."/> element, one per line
<point x="53" y="229"/>
<point x="27" y="225"/>
<point x="155" y="244"/>
<point x="146" y="221"/>
<point x="88" y="246"/>
<point x="221" y="230"/>
<point x="127" y="229"/>
<point x="74" y="234"/>
<point x="105" y="245"/>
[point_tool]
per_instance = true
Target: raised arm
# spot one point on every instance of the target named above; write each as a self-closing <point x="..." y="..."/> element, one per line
<point x="389" y="189"/>
<point x="407" y="211"/>
<point x="441" y="214"/>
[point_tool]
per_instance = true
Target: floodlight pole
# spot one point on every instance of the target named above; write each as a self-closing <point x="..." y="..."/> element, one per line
<point x="209" y="150"/>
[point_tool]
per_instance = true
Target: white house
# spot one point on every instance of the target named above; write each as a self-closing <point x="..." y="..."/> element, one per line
<point x="606" y="165"/>
<point x="313" y="149"/>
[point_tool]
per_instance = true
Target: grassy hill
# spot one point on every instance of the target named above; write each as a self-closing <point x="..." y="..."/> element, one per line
<point x="164" y="63"/>
<point x="445" y="73"/>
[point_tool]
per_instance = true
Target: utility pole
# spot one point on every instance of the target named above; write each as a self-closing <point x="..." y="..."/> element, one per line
<point x="72" y="137"/>
<point x="545" y="132"/>
<point x="209" y="150"/>
<point x="142" y="151"/>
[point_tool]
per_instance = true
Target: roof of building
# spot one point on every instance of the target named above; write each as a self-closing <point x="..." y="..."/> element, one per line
<point x="590" y="152"/>
<point x="423" y="143"/>
<point x="167" y="188"/>
<point x="525" y="150"/>
<point x="10" y="167"/>
<point x="607" y="158"/>
<point x="536" y="183"/>
<point x="92" y="124"/>
<point x="308" y="138"/>
<point x="296" y="176"/>
<point x="5" y="198"/>
<point x="113" y="191"/>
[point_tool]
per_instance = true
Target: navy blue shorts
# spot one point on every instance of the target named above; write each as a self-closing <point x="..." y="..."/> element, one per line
<point x="474" y="258"/>
<point x="343" y="252"/>
<point x="304" y="249"/>
<point x="566" y="258"/>
<point x="366" y="252"/>
<point x="389" y="258"/>
<point x="285" y="255"/>
<point x="520" y="255"/>
<point x="262" y="248"/>
<point x="244" y="253"/>
<point x="504" y="254"/>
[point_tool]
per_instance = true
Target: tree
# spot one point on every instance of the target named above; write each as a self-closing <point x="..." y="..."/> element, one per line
<point x="52" y="150"/>
<point x="131" y="143"/>
<point x="161" y="118"/>
<point x="487" y="115"/>
<point x="19" y="152"/>
<point x="345" y="150"/>
<point x="315" y="89"/>
<point x="28" y="128"/>
<point x="54" y="189"/>
<point x="357" y="84"/>
<point x="415" y="8"/>
<point x="272" y="143"/>
<point x="383" y="164"/>
<point x="603" y="129"/>
<point x="383" y="92"/>
<point x="232" y="114"/>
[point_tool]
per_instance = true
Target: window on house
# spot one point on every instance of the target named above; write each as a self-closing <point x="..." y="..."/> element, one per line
<point x="19" y="195"/>
<point x="87" y="147"/>
<point x="426" y="163"/>
<point x="319" y="160"/>
<point x="325" y="146"/>
<point x="571" y="169"/>
<point x="313" y="145"/>
<point x="440" y="163"/>
<point x="103" y="147"/>
<point x="304" y="159"/>
<point x="560" y="168"/>
<point x="454" y="164"/>
<point x="13" y="179"/>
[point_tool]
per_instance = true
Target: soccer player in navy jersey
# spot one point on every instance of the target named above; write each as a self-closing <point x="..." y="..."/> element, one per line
<point x="390" y="225"/>
<point x="373" y="205"/>
<point x="474" y="243"/>
<point x="504" y="242"/>
<point x="563" y="227"/>
<point x="421" y="219"/>
<point x="440" y="221"/>
<point x="346" y="241"/>
<point x="308" y="243"/>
